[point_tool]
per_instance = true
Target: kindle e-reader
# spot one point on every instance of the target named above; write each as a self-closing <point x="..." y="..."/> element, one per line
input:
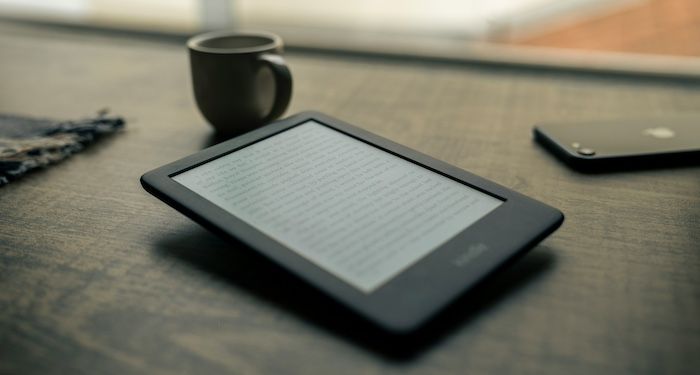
<point x="391" y="233"/>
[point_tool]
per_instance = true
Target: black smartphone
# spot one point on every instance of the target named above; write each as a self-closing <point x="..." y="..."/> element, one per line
<point x="623" y="144"/>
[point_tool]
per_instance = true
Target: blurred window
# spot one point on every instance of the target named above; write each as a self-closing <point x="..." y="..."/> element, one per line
<point x="648" y="26"/>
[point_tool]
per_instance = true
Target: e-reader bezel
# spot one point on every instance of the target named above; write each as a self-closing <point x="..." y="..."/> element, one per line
<point x="410" y="298"/>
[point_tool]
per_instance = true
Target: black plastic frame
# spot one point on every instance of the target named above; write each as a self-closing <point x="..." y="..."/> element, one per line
<point x="408" y="300"/>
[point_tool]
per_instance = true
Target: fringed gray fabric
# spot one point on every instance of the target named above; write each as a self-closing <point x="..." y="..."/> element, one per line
<point x="30" y="143"/>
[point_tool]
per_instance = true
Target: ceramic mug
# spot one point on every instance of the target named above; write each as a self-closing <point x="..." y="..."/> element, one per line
<point x="240" y="79"/>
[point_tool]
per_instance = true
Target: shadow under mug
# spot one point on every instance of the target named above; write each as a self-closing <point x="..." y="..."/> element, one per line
<point x="240" y="79"/>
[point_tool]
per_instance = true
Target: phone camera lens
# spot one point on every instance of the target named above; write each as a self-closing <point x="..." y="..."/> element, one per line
<point x="586" y="151"/>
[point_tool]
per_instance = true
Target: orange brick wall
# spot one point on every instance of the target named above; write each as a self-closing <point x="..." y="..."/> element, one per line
<point x="657" y="26"/>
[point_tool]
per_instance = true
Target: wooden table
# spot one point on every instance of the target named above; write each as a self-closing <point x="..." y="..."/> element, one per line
<point x="96" y="276"/>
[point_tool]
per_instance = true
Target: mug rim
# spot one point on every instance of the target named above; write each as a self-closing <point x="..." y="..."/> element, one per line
<point x="195" y="43"/>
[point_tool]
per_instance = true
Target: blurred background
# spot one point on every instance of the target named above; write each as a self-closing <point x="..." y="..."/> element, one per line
<point x="666" y="27"/>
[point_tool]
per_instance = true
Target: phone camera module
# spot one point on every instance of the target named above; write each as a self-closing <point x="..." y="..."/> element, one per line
<point x="586" y="151"/>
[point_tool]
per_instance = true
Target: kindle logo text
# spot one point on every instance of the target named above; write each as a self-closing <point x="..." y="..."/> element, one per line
<point x="472" y="252"/>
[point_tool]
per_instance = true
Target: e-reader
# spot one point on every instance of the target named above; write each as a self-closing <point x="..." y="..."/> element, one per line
<point x="391" y="233"/>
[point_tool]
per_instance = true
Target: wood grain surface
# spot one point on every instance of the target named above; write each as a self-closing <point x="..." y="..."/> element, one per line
<point x="98" y="277"/>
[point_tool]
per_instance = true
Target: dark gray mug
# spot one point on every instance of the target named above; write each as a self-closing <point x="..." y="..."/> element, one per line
<point x="240" y="79"/>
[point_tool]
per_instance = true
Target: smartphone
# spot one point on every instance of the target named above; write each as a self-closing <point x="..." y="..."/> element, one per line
<point x="623" y="144"/>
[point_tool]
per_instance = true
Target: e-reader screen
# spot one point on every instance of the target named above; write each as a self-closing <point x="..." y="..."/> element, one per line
<point x="358" y="212"/>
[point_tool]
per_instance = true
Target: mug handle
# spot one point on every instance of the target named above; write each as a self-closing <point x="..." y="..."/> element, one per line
<point x="283" y="84"/>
